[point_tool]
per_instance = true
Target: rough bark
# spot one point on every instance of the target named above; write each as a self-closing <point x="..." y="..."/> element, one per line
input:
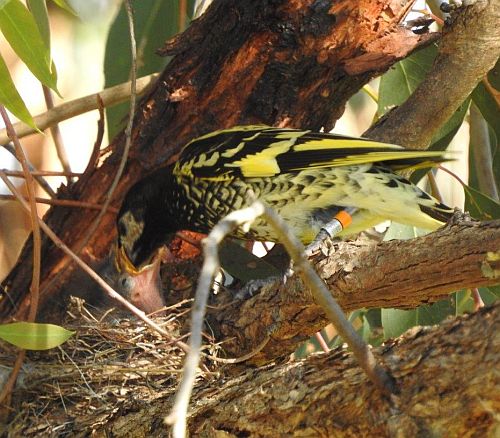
<point x="394" y="274"/>
<point x="470" y="47"/>
<point x="282" y="63"/>
<point x="447" y="377"/>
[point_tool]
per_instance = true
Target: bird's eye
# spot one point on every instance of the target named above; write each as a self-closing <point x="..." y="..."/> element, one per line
<point x="125" y="284"/>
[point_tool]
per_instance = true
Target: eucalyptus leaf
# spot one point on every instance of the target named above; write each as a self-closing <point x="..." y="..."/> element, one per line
<point x="401" y="81"/>
<point x="39" y="10"/>
<point x="22" y="32"/>
<point x="63" y="4"/>
<point x="10" y="98"/>
<point x="480" y="206"/>
<point x="488" y="107"/>
<point x="396" y="321"/>
<point x="155" y="21"/>
<point x="33" y="336"/>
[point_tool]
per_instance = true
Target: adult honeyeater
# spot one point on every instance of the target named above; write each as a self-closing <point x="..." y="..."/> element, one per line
<point x="307" y="177"/>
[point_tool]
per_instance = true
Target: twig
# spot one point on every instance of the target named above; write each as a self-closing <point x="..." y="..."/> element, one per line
<point x="37" y="240"/>
<point x="107" y="288"/>
<point x="110" y="96"/>
<point x="11" y="381"/>
<point x="128" y="134"/>
<point x="43" y="184"/>
<point x="324" y="298"/>
<point x="19" y="174"/>
<point x="128" y="129"/>
<point x="56" y="134"/>
<point x="63" y="202"/>
<point x="434" y="187"/>
<point x="97" y="144"/>
<point x="321" y="341"/>
<point x="37" y="245"/>
<point x="181" y="25"/>
<point x="211" y="264"/>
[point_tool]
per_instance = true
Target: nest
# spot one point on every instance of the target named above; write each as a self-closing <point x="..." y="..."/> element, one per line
<point x="111" y="363"/>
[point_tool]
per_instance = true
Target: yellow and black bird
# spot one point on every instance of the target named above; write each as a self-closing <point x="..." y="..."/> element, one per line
<point x="307" y="177"/>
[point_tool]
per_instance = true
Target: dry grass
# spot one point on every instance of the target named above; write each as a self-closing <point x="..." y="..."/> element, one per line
<point x="110" y="363"/>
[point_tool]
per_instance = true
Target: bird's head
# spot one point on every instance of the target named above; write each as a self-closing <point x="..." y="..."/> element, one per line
<point x="137" y="254"/>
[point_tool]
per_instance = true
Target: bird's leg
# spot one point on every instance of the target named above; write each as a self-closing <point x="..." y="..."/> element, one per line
<point x="340" y="222"/>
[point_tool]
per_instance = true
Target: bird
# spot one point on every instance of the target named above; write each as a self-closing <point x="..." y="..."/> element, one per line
<point x="306" y="177"/>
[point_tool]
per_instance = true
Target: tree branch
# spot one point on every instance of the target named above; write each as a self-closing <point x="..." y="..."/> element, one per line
<point x="468" y="49"/>
<point x="446" y="374"/>
<point x="397" y="274"/>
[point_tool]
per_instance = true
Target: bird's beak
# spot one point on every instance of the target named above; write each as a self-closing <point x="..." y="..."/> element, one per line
<point x="142" y="287"/>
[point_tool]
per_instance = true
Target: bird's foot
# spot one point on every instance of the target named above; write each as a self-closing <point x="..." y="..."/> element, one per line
<point x="253" y="287"/>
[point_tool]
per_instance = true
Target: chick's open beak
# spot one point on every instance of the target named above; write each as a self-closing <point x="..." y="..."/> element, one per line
<point x="142" y="287"/>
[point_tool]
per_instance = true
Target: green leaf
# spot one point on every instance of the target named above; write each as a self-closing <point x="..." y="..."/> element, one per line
<point x="403" y="232"/>
<point x="488" y="106"/>
<point x="480" y="206"/>
<point x="491" y="293"/>
<point x="494" y="76"/>
<point x="21" y="31"/>
<point x="155" y="21"/>
<point x="63" y="4"/>
<point x="402" y="80"/>
<point x="39" y="10"/>
<point x="10" y="98"/>
<point x="396" y="321"/>
<point x="33" y="336"/>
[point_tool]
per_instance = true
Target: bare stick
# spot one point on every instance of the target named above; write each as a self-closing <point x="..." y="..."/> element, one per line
<point x="211" y="264"/>
<point x="63" y="202"/>
<point x="56" y="134"/>
<point x="325" y="299"/>
<point x="43" y="184"/>
<point x="128" y="139"/>
<point x="110" y="96"/>
<point x="17" y="173"/>
<point x="37" y="245"/>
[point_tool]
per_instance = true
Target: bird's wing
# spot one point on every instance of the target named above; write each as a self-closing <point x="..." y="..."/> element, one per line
<point x="263" y="151"/>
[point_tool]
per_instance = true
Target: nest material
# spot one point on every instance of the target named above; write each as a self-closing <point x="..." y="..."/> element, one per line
<point x="111" y="363"/>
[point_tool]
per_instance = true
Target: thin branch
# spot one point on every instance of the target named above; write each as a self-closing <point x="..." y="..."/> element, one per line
<point x="63" y="202"/>
<point x="177" y="417"/>
<point x="37" y="245"/>
<point x="110" y="96"/>
<point x="43" y="184"/>
<point x="128" y="129"/>
<point x="37" y="240"/>
<point x="128" y="139"/>
<point x="19" y="174"/>
<point x="56" y="134"/>
<point x="328" y="303"/>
